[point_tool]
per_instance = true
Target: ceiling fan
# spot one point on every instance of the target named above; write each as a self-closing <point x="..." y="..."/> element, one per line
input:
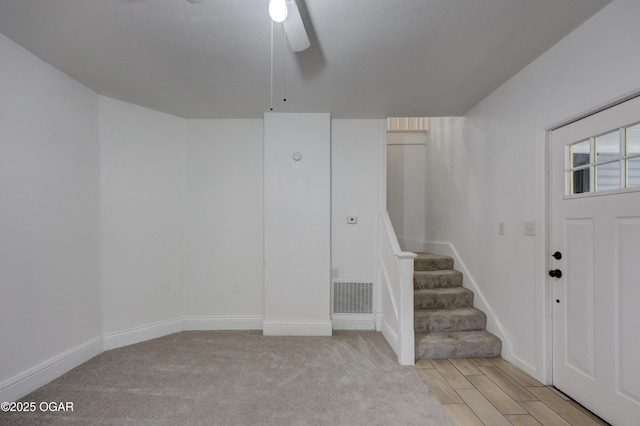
<point x="287" y="12"/>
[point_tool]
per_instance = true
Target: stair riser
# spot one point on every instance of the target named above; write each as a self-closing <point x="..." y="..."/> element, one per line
<point x="440" y="280"/>
<point x="443" y="301"/>
<point x="489" y="348"/>
<point x="438" y="264"/>
<point x="426" y="324"/>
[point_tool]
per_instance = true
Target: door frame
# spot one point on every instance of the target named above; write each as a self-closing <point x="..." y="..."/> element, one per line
<point x="544" y="299"/>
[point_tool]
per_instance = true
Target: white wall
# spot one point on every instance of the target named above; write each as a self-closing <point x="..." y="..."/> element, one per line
<point x="224" y="224"/>
<point x="142" y="165"/>
<point x="406" y="180"/>
<point x="297" y="216"/>
<point x="355" y="192"/>
<point x="125" y="223"/>
<point x="494" y="170"/>
<point x="49" y="213"/>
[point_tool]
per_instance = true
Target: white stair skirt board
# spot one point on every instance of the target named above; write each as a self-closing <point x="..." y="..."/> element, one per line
<point x="248" y="322"/>
<point x="353" y="322"/>
<point x="142" y="333"/>
<point x="26" y="382"/>
<point x="297" y="328"/>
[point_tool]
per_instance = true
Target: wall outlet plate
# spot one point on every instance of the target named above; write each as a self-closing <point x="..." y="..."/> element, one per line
<point x="529" y="228"/>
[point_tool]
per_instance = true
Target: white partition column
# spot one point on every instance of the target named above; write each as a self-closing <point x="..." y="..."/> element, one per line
<point x="297" y="227"/>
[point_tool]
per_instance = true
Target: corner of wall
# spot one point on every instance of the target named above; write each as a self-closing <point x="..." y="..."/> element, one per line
<point x="141" y="333"/>
<point x="27" y="381"/>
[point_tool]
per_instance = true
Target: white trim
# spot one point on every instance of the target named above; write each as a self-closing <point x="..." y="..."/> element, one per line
<point x="382" y="205"/>
<point x="407" y="138"/>
<point x="378" y="320"/>
<point x="353" y="322"/>
<point x="141" y="334"/>
<point x="479" y="301"/>
<point x="296" y="328"/>
<point x="390" y="335"/>
<point x="223" y="322"/>
<point x="29" y="380"/>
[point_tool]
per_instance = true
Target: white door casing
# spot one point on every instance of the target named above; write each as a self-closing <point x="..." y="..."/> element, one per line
<point x="596" y="301"/>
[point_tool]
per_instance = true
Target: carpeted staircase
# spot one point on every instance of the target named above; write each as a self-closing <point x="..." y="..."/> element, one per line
<point x="446" y="323"/>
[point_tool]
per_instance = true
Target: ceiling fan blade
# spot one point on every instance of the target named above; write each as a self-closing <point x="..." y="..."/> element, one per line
<point x="294" y="27"/>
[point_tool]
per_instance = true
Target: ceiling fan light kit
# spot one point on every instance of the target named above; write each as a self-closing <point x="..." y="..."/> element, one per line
<point x="278" y="10"/>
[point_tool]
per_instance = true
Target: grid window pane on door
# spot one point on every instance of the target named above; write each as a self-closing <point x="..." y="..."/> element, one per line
<point x="608" y="162"/>
<point x="578" y="161"/>
<point x="633" y="151"/>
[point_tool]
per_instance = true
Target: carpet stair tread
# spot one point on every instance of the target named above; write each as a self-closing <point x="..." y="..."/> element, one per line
<point x="432" y="262"/>
<point x="445" y="322"/>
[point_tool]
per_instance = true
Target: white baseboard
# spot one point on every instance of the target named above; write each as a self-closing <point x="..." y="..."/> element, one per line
<point x="522" y="364"/>
<point x="249" y="322"/>
<point x="391" y="336"/>
<point x="378" y="320"/>
<point x="142" y="333"/>
<point x="353" y="322"/>
<point x="479" y="301"/>
<point x="26" y="382"/>
<point x="296" y="328"/>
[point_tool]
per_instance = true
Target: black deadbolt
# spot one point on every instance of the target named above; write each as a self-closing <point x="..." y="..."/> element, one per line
<point x="556" y="273"/>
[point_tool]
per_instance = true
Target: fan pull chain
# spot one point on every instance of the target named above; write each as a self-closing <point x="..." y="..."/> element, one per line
<point x="284" y="71"/>
<point x="271" y="101"/>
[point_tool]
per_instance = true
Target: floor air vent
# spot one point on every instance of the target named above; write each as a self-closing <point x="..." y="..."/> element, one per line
<point x="352" y="298"/>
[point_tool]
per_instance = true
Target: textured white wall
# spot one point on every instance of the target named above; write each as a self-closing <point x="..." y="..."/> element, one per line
<point x="49" y="213"/>
<point x="142" y="165"/>
<point x="492" y="169"/>
<point x="354" y="192"/>
<point x="297" y="230"/>
<point x="224" y="223"/>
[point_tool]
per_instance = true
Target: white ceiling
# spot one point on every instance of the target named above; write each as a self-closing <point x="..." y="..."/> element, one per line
<point x="368" y="58"/>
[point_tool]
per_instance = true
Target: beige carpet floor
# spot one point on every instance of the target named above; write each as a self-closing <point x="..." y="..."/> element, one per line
<point x="241" y="378"/>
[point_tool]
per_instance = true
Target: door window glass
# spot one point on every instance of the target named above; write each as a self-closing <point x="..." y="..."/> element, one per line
<point x="633" y="139"/>
<point x="608" y="176"/>
<point x="606" y="162"/>
<point x="633" y="172"/>
<point x="608" y="146"/>
<point x="579" y="157"/>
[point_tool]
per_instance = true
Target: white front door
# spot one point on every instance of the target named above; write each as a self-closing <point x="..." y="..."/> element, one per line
<point x="595" y="228"/>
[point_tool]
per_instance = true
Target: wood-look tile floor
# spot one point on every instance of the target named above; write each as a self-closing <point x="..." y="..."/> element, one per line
<point x="492" y="392"/>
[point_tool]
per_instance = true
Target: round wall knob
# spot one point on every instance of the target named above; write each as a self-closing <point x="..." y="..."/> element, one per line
<point x="297" y="156"/>
<point x="557" y="255"/>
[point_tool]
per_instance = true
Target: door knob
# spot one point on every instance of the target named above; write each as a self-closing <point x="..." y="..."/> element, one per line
<point x="557" y="255"/>
<point x="555" y="273"/>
